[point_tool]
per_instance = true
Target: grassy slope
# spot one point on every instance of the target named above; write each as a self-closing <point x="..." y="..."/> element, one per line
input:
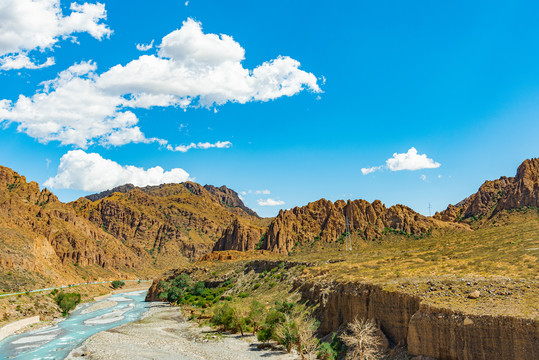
<point x="499" y="260"/>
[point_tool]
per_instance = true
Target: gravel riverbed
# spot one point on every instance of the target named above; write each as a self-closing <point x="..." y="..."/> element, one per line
<point x="163" y="333"/>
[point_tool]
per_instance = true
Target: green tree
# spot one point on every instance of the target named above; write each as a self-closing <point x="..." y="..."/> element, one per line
<point x="256" y="315"/>
<point x="67" y="301"/>
<point x="116" y="284"/>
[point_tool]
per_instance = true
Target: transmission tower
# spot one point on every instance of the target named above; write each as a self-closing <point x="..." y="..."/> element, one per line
<point x="430" y="210"/>
<point x="347" y="239"/>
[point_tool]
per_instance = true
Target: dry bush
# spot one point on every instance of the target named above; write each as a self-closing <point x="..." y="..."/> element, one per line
<point x="298" y="331"/>
<point x="362" y="340"/>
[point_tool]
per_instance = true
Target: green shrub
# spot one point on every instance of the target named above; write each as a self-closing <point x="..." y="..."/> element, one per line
<point x="116" y="284"/>
<point x="326" y="352"/>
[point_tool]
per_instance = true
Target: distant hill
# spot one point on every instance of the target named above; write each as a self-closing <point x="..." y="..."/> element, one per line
<point x="124" y="232"/>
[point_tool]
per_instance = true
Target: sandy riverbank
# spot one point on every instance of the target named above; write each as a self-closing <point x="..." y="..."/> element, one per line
<point x="163" y="334"/>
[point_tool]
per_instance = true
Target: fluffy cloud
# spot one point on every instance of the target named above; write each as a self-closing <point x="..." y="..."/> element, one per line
<point x="410" y="160"/>
<point x="27" y="25"/>
<point x="192" y="69"/>
<point x="91" y="172"/>
<point x="22" y="61"/>
<point x="200" y="145"/>
<point x="144" y="47"/>
<point x="269" y="202"/>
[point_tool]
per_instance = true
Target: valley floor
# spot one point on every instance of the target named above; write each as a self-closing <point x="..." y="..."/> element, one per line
<point x="164" y="334"/>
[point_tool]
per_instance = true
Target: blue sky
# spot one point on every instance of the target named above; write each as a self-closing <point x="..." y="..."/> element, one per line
<point x="458" y="82"/>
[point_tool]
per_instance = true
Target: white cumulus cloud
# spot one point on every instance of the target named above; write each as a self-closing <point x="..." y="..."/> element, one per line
<point x="91" y="172"/>
<point x="27" y="25"/>
<point x="192" y="69"/>
<point x="410" y="160"/>
<point x="269" y="202"/>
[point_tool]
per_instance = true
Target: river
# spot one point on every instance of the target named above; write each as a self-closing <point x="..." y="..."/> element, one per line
<point x="56" y="341"/>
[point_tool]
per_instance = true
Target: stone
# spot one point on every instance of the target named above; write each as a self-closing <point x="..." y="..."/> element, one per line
<point x="474" y="294"/>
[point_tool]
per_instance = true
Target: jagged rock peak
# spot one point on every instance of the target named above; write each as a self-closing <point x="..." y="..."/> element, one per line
<point x="229" y="197"/>
<point x="324" y="220"/>
<point x="506" y="193"/>
<point x="223" y="194"/>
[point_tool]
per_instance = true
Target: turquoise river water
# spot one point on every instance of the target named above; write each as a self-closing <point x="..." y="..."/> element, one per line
<point x="56" y="341"/>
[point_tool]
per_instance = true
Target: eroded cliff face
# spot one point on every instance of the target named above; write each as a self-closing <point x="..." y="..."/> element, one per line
<point x="506" y="193"/>
<point x="326" y="221"/>
<point x="43" y="236"/>
<point x="240" y="237"/>
<point x="426" y="330"/>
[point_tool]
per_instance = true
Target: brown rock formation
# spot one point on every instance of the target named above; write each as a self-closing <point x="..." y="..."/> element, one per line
<point x="229" y="197"/>
<point x="326" y="221"/>
<point x="240" y="237"/>
<point x="497" y="195"/>
<point x="44" y="238"/>
<point x="172" y="222"/>
<point x="427" y="331"/>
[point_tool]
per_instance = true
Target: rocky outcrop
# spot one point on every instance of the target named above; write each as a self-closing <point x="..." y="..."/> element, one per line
<point x="173" y="222"/>
<point x="240" y="237"/>
<point x="506" y="193"/>
<point x="119" y="189"/>
<point x="325" y="221"/>
<point x="229" y="197"/>
<point x="427" y="331"/>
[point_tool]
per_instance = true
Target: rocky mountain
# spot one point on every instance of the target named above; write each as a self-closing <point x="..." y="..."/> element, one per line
<point x="171" y="222"/>
<point x="325" y="221"/>
<point x="506" y="193"/>
<point x="124" y="232"/>
<point x="43" y="240"/>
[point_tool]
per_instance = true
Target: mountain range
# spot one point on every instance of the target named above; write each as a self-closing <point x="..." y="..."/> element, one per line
<point x="134" y="232"/>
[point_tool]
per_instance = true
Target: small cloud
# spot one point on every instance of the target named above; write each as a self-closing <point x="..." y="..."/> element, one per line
<point x="269" y="202"/>
<point x="410" y="160"/>
<point x="439" y="176"/>
<point x="200" y="145"/>
<point x="257" y="192"/>
<point x="144" y="47"/>
<point x="186" y="3"/>
<point x="366" y="171"/>
<point x="22" y="61"/>
<point x="48" y="162"/>
<point x="423" y="177"/>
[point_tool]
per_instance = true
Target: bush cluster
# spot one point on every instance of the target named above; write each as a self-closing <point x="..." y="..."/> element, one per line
<point x="182" y="290"/>
<point x="116" y="284"/>
<point x="67" y="301"/>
